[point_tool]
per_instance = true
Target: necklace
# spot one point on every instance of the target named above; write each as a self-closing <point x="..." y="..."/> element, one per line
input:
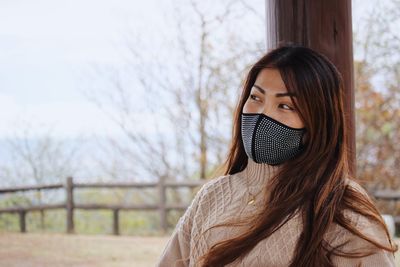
<point x="251" y="197"/>
<point x="261" y="173"/>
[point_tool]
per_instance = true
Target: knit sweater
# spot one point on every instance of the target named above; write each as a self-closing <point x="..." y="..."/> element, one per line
<point x="226" y="197"/>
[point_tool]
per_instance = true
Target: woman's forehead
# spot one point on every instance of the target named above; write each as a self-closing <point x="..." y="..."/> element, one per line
<point x="270" y="80"/>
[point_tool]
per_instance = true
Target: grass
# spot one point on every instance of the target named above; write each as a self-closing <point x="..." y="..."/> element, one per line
<point x="61" y="250"/>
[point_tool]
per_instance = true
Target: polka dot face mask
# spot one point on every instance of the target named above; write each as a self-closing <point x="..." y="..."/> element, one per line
<point x="269" y="141"/>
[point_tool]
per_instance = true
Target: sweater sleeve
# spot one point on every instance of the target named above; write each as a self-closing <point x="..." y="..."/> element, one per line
<point x="177" y="251"/>
<point x="354" y="243"/>
<point x="379" y="257"/>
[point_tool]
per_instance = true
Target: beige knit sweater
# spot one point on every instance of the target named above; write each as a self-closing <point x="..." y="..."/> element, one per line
<point x="226" y="197"/>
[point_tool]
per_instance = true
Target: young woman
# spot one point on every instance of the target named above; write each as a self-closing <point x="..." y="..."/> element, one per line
<point x="286" y="198"/>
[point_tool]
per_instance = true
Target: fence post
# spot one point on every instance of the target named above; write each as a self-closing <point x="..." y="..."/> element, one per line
<point x="70" y="205"/>
<point x="116" y="222"/>
<point x="22" y="225"/>
<point x="162" y="204"/>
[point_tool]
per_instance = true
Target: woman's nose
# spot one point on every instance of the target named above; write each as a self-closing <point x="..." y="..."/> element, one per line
<point x="267" y="110"/>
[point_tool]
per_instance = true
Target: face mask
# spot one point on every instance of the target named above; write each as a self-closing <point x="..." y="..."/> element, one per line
<point x="269" y="141"/>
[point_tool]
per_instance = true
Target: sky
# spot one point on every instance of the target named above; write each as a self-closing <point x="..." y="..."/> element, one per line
<point x="46" y="46"/>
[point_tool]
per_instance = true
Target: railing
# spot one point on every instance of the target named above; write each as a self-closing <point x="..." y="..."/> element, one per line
<point x="69" y="205"/>
<point x="162" y="207"/>
<point x="392" y="197"/>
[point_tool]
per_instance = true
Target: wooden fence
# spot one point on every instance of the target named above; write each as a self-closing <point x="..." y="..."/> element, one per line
<point x="69" y="205"/>
<point x="392" y="197"/>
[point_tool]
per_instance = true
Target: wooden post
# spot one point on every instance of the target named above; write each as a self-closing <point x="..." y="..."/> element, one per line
<point x="39" y="197"/>
<point x="70" y="205"/>
<point x="325" y="26"/>
<point x="116" y="221"/>
<point x="162" y="204"/>
<point x="22" y="224"/>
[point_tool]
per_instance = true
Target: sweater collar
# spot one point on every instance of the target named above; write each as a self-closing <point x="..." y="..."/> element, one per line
<point x="258" y="174"/>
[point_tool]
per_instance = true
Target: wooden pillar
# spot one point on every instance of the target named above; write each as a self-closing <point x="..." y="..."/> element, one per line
<point x="325" y="26"/>
<point x="70" y="205"/>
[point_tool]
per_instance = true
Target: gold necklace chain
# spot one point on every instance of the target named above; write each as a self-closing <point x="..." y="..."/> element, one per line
<point x="251" y="197"/>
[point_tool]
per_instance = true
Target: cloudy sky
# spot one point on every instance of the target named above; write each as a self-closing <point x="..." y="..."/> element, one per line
<point x="46" y="47"/>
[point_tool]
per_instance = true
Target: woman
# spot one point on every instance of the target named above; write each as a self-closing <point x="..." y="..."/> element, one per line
<point x="286" y="198"/>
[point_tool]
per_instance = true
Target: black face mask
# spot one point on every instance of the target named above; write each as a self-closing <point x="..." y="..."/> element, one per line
<point x="269" y="141"/>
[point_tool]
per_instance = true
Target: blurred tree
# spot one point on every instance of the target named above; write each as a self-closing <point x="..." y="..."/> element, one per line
<point x="174" y="104"/>
<point x="377" y="83"/>
<point x="37" y="159"/>
<point x="177" y="117"/>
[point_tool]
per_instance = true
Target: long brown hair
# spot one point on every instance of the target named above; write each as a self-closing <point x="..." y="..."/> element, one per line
<point x="313" y="182"/>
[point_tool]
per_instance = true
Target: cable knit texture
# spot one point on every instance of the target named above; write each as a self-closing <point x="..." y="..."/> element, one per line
<point x="225" y="198"/>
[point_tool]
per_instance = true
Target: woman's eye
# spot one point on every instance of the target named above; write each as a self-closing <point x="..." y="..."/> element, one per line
<point x="285" y="106"/>
<point x="254" y="97"/>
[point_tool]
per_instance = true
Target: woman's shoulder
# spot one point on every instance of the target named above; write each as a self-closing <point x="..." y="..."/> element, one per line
<point x="347" y="239"/>
<point x="216" y="181"/>
<point x="214" y="186"/>
<point x="201" y="200"/>
<point x="355" y="185"/>
<point x="363" y="224"/>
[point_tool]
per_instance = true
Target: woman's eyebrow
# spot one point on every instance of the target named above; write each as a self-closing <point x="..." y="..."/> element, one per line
<point x="277" y="94"/>
<point x="259" y="88"/>
<point x="285" y="94"/>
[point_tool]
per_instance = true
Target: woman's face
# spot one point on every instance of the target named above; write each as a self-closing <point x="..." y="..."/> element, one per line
<point x="270" y="96"/>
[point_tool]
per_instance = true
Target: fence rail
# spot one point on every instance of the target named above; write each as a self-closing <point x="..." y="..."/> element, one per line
<point x="69" y="205"/>
<point x="392" y="197"/>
